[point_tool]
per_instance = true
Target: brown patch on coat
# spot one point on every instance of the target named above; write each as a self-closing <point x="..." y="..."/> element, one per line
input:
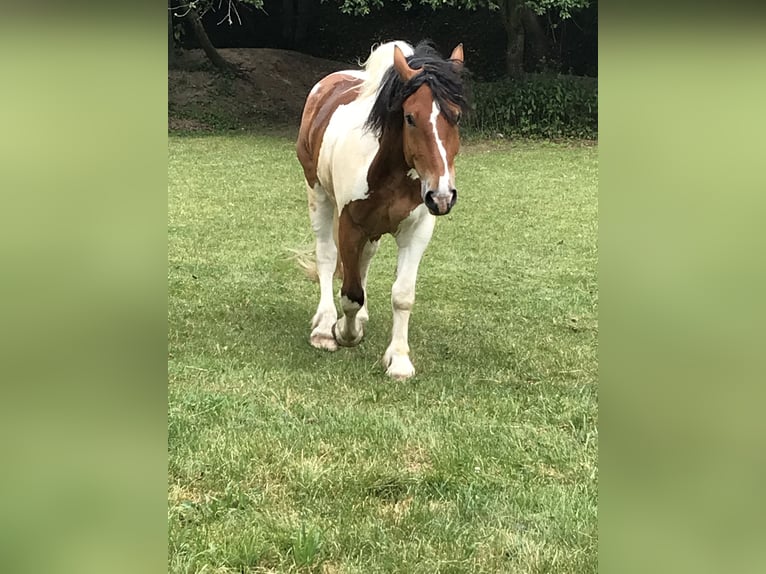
<point x="335" y="90"/>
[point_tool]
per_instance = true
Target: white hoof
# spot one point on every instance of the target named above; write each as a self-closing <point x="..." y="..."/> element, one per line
<point x="323" y="340"/>
<point x="399" y="367"/>
<point x="343" y="342"/>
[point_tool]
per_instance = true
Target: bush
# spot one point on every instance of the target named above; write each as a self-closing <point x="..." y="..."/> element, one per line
<point x="536" y="106"/>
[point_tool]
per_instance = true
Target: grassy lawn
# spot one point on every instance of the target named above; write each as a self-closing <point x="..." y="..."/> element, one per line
<point x="283" y="458"/>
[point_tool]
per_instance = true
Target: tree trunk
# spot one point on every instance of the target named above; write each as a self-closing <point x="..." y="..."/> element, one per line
<point x="303" y="13"/>
<point x="296" y="17"/>
<point x="288" y="23"/>
<point x="199" y="33"/>
<point x="514" y="30"/>
<point x="171" y="39"/>
<point x="538" y="45"/>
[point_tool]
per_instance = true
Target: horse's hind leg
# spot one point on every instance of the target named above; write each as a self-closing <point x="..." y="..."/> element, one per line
<point x="321" y="212"/>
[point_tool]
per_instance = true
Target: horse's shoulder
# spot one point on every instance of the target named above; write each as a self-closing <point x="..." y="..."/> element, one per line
<point x="336" y="88"/>
<point x="331" y="92"/>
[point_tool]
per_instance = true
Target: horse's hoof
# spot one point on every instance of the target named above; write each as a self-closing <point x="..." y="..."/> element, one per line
<point x="343" y="342"/>
<point x="400" y="367"/>
<point x="323" y="341"/>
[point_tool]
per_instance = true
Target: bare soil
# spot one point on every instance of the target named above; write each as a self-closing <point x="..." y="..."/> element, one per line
<point x="270" y="91"/>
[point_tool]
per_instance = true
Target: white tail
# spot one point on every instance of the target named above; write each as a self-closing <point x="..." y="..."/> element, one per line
<point x="305" y="258"/>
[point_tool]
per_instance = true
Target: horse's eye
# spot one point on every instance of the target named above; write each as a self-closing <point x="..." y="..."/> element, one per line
<point x="410" y="119"/>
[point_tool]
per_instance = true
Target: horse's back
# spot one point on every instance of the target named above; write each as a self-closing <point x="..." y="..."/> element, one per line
<point x="332" y="91"/>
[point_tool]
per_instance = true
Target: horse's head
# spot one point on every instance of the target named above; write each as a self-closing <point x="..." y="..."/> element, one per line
<point x="431" y="112"/>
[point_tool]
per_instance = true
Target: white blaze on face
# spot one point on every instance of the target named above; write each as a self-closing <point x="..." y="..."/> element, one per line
<point x="444" y="183"/>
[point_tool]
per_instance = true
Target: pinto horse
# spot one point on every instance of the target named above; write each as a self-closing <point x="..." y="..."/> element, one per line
<point x="377" y="148"/>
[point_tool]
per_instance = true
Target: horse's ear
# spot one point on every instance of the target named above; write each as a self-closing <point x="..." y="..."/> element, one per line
<point x="457" y="56"/>
<point x="402" y="67"/>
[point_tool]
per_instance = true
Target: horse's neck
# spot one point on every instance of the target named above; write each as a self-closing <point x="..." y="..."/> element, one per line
<point x="389" y="169"/>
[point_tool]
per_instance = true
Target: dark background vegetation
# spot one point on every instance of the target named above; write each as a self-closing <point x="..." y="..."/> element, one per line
<point x="334" y="35"/>
<point x="546" y="88"/>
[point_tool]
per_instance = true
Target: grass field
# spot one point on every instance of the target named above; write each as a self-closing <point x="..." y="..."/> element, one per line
<point x="283" y="458"/>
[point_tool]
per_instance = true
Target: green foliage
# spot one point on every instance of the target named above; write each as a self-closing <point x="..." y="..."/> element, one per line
<point x="537" y="106"/>
<point x="564" y="8"/>
<point x="228" y="10"/>
<point x="358" y="7"/>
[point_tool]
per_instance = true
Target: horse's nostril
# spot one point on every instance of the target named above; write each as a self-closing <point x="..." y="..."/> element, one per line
<point x="429" y="201"/>
<point x="440" y="203"/>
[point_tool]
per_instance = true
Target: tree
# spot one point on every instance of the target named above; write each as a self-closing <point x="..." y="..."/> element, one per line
<point x="296" y="17"/>
<point x="193" y="10"/>
<point x="519" y="19"/>
<point x="171" y="36"/>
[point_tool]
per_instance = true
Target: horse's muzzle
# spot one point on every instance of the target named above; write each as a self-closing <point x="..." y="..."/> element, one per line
<point x="440" y="203"/>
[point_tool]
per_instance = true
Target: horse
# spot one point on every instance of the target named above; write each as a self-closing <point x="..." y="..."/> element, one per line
<point x="377" y="147"/>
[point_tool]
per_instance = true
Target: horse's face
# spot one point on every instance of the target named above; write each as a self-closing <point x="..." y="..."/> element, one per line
<point x="430" y="140"/>
<point x="430" y="145"/>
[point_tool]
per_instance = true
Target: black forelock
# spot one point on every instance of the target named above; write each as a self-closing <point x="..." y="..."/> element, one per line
<point x="444" y="78"/>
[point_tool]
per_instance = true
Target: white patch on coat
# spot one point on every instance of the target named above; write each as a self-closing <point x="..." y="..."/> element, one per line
<point x="349" y="305"/>
<point x="347" y="151"/>
<point x="413" y="174"/>
<point x="444" y="184"/>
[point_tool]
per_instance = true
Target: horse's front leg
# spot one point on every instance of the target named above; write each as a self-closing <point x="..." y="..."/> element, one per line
<point x="412" y="240"/>
<point x="352" y="242"/>
<point x="370" y="248"/>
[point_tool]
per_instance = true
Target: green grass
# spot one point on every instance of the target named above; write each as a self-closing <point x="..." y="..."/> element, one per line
<point x="283" y="458"/>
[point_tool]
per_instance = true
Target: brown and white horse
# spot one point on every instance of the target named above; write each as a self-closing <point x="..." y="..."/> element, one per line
<point x="377" y="148"/>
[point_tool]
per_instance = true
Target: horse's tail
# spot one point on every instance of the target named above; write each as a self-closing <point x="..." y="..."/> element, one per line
<point x="305" y="258"/>
<point x="380" y="60"/>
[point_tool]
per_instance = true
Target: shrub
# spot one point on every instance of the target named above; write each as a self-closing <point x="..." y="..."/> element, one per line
<point x="536" y="106"/>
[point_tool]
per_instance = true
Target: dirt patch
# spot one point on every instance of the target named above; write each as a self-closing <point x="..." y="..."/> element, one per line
<point x="178" y="494"/>
<point x="398" y="510"/>
<point x="270" y="91"/>
<point x="416" y="459"/>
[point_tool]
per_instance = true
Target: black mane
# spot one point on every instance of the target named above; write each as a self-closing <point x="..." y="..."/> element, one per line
<point x="444" y="78"/>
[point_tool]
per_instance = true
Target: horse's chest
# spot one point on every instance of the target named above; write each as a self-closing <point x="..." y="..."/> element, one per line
<point x="383" y="211"/>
